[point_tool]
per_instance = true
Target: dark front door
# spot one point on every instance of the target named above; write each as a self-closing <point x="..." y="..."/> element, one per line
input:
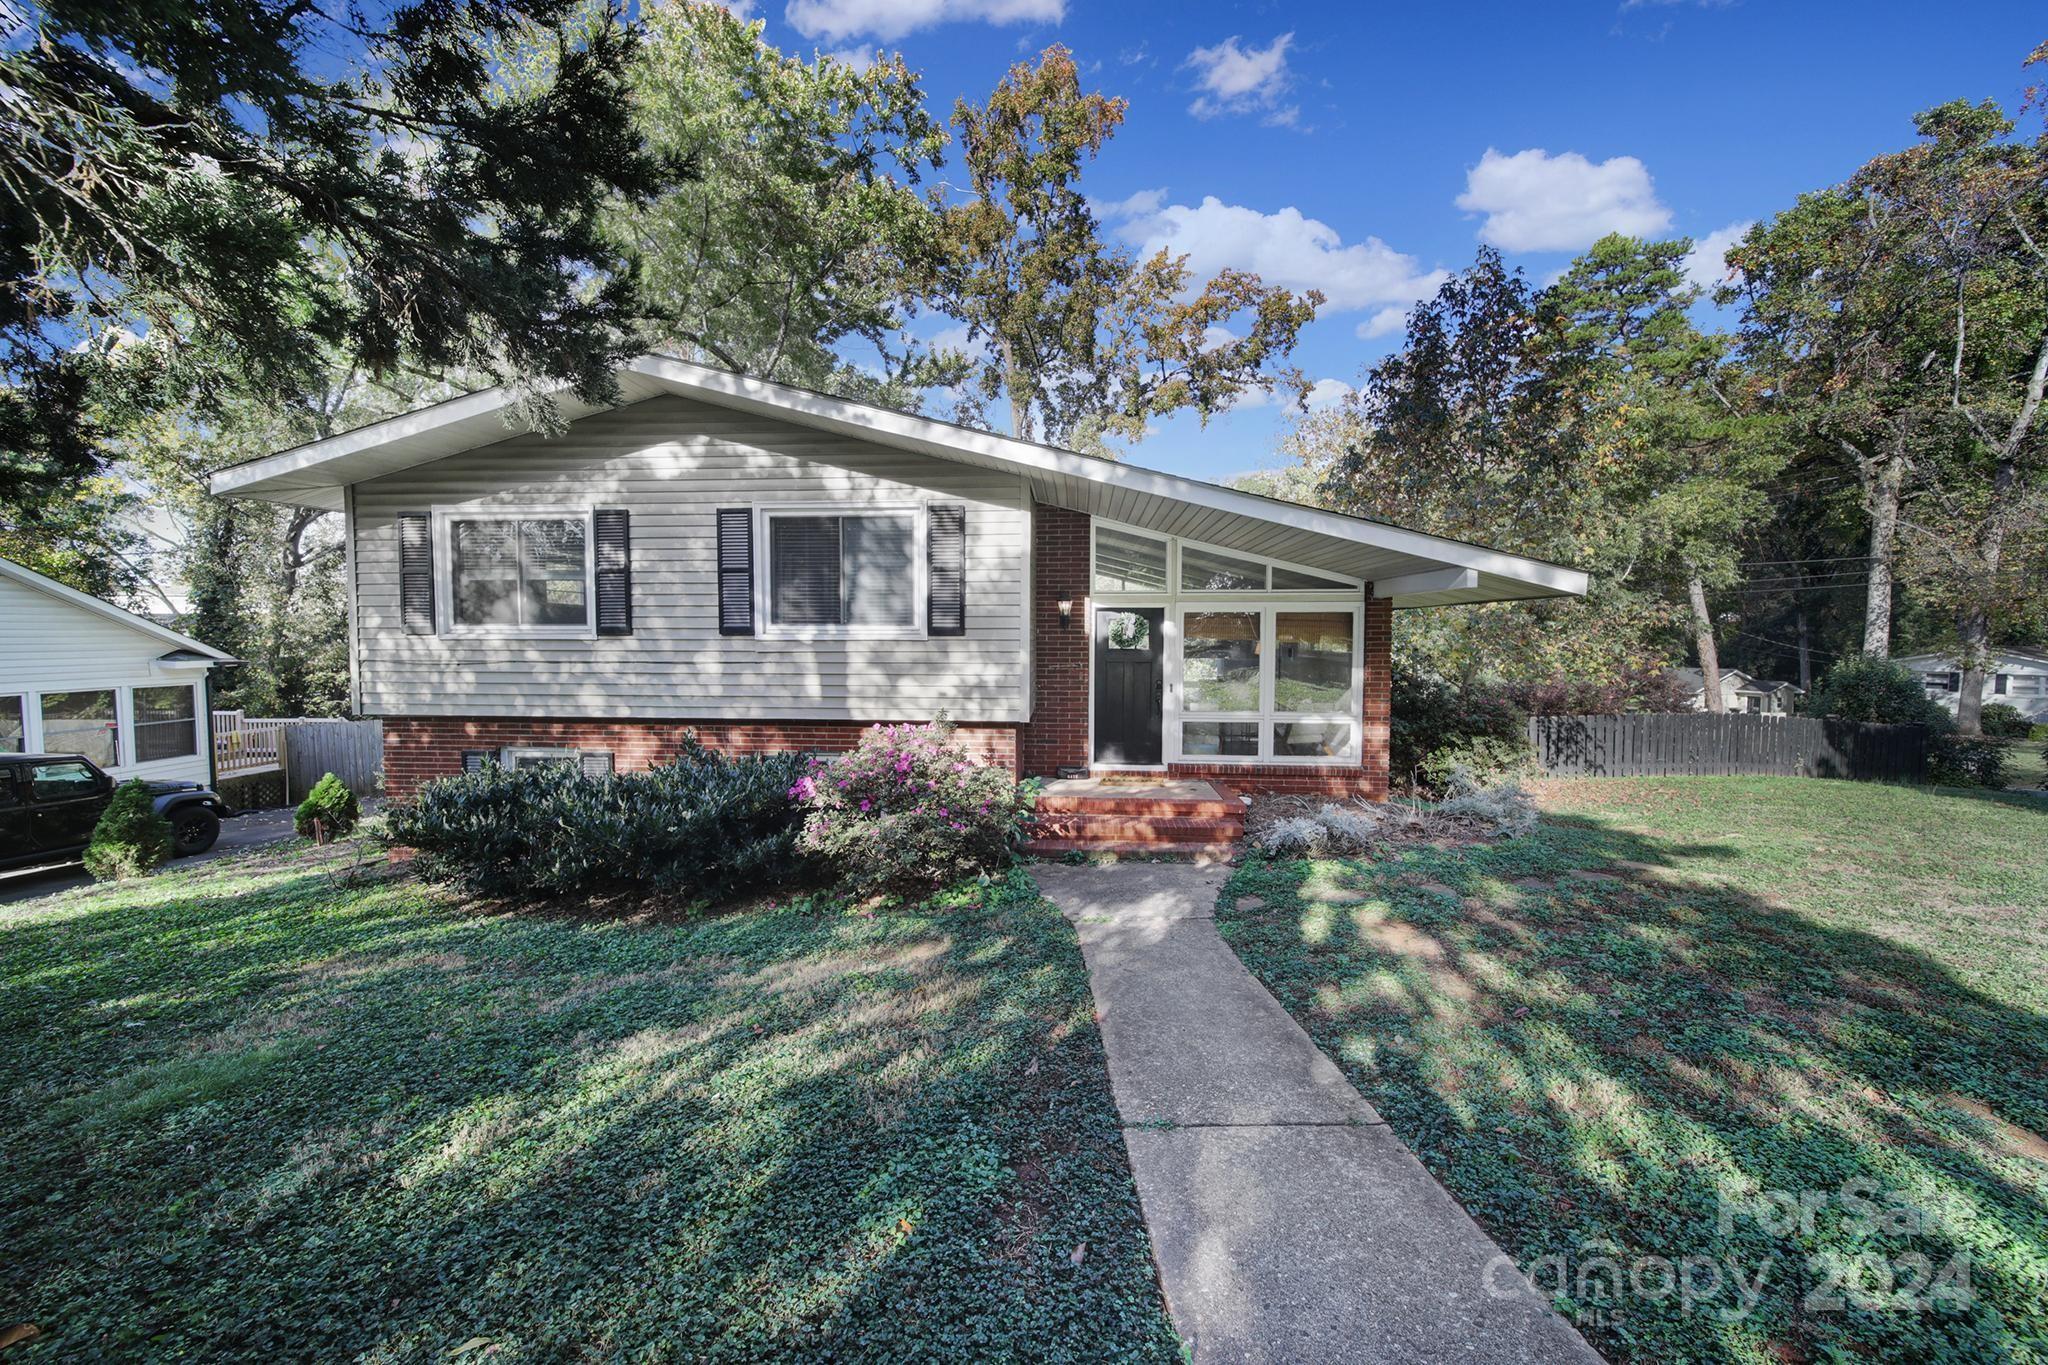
<point x="1130" y="682"/>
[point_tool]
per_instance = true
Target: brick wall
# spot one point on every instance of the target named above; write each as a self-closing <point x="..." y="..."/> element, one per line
<point x="1058" y="733"/>
<point x="417" y="749"/>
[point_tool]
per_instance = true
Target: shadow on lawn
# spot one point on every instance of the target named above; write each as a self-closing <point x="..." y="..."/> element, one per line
<point x="363" y="1124"/>
<point x="1639" y="1076"/>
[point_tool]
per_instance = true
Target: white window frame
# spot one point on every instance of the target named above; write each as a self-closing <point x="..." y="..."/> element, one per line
<point x="444" y="571"/>
<point x="1269" y="602"/>
<point x="511" y="756"/>
<point x="124" y="728"/>
<point x="132" y="733"/>
<point x="764" y="588"/>
<point x="20" y="699"/>
<point x="1268" y="609"/>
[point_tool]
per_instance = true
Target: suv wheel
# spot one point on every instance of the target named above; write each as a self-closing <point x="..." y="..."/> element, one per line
<point x="193" y="830"/>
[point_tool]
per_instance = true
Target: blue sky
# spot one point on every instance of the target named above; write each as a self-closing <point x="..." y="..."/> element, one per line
<point x="1347" y="147"/>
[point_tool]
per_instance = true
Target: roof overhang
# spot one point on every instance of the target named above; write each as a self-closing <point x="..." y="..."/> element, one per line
<point x="1411" y="568"/>
<point x="206" y="655"/>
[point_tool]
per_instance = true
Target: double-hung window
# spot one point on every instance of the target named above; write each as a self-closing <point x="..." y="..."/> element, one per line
<point x="521" y="573"/>
<point x="843" y="572"/>
<point x="166" y="723"/>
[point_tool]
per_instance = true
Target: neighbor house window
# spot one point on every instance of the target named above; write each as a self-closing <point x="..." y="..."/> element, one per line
<point x="82" y="723"/>
<point x="166" y="724"/>
<point x="855" y="570"/>
<point x="519" y="573"/>
<point x="13" y="725"/>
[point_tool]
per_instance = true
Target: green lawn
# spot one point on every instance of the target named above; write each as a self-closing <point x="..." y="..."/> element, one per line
<point x="259" y="1110"/>
<point x="2025" y="769"/>
<point x="1658" y="1037"/>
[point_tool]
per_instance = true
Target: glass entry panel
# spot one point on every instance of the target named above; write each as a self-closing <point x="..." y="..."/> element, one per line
<point x="1220" y="661"/>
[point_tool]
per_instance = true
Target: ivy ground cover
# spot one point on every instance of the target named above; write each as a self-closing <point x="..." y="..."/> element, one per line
<point x="262" y="1109"/>
<point x="1737" y="1069"/>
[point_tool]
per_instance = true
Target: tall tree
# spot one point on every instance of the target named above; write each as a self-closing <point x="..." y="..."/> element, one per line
<point x="803" y="229"/>
<point x="1658" y="404"/>
<point x="191" y="206"/>
<point x="1082" y="339"/>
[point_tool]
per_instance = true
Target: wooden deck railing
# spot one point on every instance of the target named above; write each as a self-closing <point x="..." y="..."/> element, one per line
<point x="248" y="744"/>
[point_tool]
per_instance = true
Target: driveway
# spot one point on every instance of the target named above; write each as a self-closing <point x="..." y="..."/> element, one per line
<point x="251" y="830"/>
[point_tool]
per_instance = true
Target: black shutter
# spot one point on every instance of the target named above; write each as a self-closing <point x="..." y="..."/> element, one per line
<point x="614" y="571"/>
<point x="735" y="571"/>
<point x="473" y="760"/>
<point x="946" y="545"/>
<point x="416" y="572"/>
<point x="595" y="762"/>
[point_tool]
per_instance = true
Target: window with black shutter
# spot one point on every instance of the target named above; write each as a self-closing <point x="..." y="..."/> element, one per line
<point x="946" y="549"/>
<point x="612" y="527"/>
<point x="735" y="571"/>
<point x="416" y="572"/>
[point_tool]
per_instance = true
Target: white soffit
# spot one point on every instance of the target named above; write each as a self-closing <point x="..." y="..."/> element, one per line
<point x="1421" y="570"/>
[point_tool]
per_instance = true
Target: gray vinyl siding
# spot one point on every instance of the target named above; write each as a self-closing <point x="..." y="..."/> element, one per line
<point x="673" y="463"/>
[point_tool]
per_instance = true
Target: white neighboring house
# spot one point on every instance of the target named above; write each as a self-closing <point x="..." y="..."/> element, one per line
<point x="80" y="676"/>
<point x="1740" y="693"/>
<point x="2017" y="677"/>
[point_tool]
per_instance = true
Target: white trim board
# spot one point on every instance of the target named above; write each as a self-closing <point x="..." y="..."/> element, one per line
<point x="1153" y="500"/>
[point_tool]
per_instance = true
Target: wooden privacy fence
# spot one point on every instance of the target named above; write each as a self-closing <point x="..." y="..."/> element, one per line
<point x="1695" y="744"/>
<point x="353" y="750"/>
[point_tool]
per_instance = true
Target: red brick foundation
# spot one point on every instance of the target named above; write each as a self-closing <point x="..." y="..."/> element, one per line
<point x="1057" y="736"/>
<point x="418" y="749"/>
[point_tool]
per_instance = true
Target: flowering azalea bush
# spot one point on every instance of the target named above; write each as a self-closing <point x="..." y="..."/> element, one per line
<point x="908" y="811"/>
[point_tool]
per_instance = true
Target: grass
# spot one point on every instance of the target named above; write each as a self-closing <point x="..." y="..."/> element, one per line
<point x="1695" y="1029"/>
<point x="263" y="1108"/>
<point x="2026" y="766"/>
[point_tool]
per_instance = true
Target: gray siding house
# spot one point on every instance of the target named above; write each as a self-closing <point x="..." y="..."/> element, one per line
<point x="771" y="568"/>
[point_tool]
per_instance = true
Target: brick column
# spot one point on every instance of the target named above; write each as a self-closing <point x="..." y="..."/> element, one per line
<point x="1058" y="733"/>
<point x="1376" y="736"/>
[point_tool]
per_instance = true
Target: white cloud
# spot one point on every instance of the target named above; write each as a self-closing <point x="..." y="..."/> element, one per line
<point x="1134" y="206"/>
<point x="1284" y="248"/>
<point x="838" y="20"/>
<point x="860" y="56"/>
<point x="1238" y="80"/>
<point x="1381" y="323"/>
<point x="1534" y="201"/>
<point x="1327" y="393"/>
<point x="1706" y="265"/>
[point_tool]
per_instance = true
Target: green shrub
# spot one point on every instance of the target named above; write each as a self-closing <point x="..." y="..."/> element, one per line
<point x="332" y="804"/>
<point x="1965" y="761"/>
<point x="2038" y="734"/>
<point x="131" y="839"/>
<point x="908" y="811"/>
<point x="704" y="827"/>
<point x="2002" y="721"/>
<point x="1877" y="691"/>
<point x="1433" y="717"/>
<point x="1489" y="760"/>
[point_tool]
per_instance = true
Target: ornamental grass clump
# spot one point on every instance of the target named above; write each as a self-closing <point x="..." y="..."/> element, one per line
<point x="909" y="811"/>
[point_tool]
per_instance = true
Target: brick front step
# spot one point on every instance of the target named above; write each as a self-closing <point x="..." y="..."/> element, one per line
<point x="1053" y="848"/>
<point x="1139" y="805"/>
<point x="1120" y="827"/>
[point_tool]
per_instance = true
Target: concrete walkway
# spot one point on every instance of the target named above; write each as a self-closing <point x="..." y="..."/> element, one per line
<point x="1288" y="1222"/>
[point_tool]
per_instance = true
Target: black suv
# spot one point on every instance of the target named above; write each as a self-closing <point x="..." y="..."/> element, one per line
<point x="49" y="804"/>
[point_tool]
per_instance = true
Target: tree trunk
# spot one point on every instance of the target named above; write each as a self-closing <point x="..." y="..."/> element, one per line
<point x="1020" y="395"/>
<point x="1884" y="490"/>
<point x="1805" y="654"/>
<point x="1703" y="637"/>
<point x="1973" y="634"/>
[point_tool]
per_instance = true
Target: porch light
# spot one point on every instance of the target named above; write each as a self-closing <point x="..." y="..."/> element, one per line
<point x="1066" y="612"/>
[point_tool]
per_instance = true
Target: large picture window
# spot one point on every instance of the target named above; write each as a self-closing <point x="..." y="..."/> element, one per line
<point x="82" y="723"/>
<point x="1274" y="683"/>
<point x="166" y="724"/>
<point x="519" y="574"/>
<point x="855" y="571"/>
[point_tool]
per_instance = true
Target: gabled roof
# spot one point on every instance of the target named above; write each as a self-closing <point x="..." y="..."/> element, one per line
<point x="185" y="644"/>
<point x="2032" y="656"/>
<point x="1412" y="568"/>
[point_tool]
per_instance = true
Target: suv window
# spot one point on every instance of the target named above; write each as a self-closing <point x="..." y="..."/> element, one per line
<point x="62" y="781"/>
